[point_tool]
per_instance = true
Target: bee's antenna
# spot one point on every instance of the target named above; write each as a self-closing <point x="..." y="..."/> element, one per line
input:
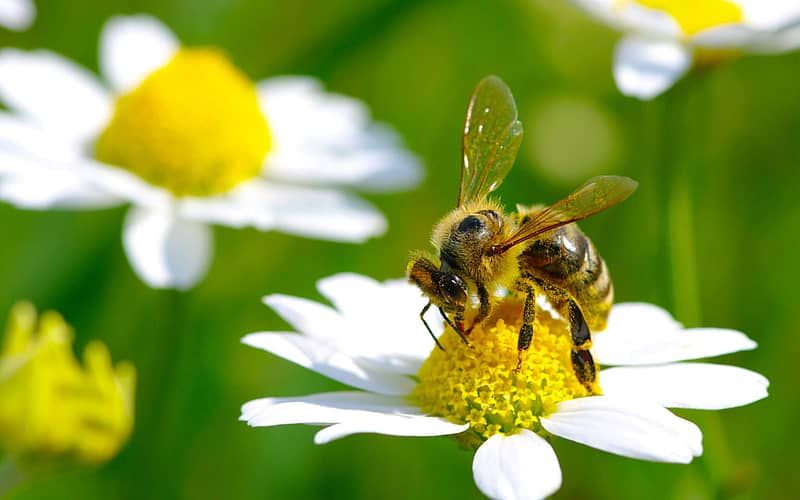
<point x="422" y="317"/>
<point x="459" y="331"/>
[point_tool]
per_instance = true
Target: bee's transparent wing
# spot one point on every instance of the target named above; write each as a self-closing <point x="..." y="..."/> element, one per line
<point x="596" y="195"/>
<point x="492" y="136"/>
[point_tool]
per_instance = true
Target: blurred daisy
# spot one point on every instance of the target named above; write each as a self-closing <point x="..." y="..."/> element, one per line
<point x="50" y="405"/>
<point x="17" y="15"/>
<point x="373" y="340"/>
<point x="664" y="37"/>
<point x="189" y="141"/>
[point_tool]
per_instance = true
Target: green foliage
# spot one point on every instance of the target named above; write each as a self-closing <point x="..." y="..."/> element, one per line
<point x="415" y="63"/>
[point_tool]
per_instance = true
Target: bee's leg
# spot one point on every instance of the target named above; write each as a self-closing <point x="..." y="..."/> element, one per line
<point x="582" y="361"/>
<point x="528" y="315"/>
<point x="422" y="317"/>
<point x="458" y="326"/>
<point x="483" y="311"/>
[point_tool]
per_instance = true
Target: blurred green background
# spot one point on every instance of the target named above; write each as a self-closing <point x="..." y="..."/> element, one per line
<point x="731" y="133"/>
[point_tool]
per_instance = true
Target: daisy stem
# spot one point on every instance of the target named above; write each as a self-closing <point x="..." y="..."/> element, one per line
<point x="151" y="441"/>
<point x="685" y="126"/>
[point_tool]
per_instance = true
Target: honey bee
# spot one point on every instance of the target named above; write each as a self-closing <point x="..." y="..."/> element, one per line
<point x="536" y="250"/>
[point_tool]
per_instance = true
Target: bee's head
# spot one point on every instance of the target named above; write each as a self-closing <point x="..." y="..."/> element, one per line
<point x="442" y="287"/>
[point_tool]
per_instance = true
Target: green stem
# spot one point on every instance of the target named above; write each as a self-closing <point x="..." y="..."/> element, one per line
<point x="157" y="386"/>
<point x="686" y="128"/>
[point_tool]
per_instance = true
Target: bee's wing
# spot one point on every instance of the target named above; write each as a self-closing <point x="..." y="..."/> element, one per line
<point x="596" y="195"/>
<point x="491" y="139"/>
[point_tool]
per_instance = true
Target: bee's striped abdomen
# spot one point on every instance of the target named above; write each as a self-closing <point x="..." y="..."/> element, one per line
<point x="566" y="259"/>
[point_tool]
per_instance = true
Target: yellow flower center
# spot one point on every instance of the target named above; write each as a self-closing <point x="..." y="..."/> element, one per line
<point x="694" y="16"/>
<point x="51" y="406"/>
<point x="481" y="386"/>
<point x="193" y="126"/>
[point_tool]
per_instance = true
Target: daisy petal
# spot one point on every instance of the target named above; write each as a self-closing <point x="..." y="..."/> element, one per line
<point x="303" y="211"/>
<point x="363" y="303"/>
<point x="644" y="334"/>
<point x="626" y="427"/>
<point x="325" y="408"/>
<point x="391" y="425"/>
<point x="132" y="47"/>
<point x="328" y="361"/>
<point x="308" y="317"/>
<point x="686" y="385"/>
<point x="644" y="68"/>
<point x="725" y="36"/>
<point x="26" y="184"/>
<point x="325" y="213"/>
<point x="54" y="92"/>
<point x="519" y="466"/>
<point x="631" y="16"/>
<point x="17" y="15"/>
<point x="325" y="138"/>
<point x="20" y="137"/>
<point x="166" y="252"/>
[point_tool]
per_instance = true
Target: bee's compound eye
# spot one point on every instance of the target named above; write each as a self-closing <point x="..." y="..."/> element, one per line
<point x="454" y="289"/>
<point x="470" y="224"/>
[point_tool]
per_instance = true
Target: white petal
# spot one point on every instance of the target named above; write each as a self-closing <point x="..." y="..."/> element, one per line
<point x="322" y="138"/>
<point x="626" y="427"/>
<point x="373" y="169"/>
<point x="726" y="36"/>
<point x="311" y="212"/>
<point x="364" y="338"/>
<point x="632" y="17"/>
<point x="686" y="385"/>
<point x="391" y="425"/>
<point x="783" y="40"/>
<point x="17" y="15"/>
<point x="515" y="467"/>
<point x="27" y="184"/>
<point x="326" y="408"/>
<point x="331" y="362"/>
<point x="308" y="317"/>
<point x="353" y="412"/>
<point x="166" y="252"/>
<point x="126" y="185"/>
<point x="132" y="47"/>
<point x="349" y="292"/>
<point x="769" y="15"/>
<point x="54" y="92"/>
<point x="21" y="137"/>
<point x="400" y="344"/>
<point x="644" y="334"/>
<point x="644" y="68"/>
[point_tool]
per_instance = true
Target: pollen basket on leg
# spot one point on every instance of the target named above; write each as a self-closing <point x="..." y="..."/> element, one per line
<point x="480" y="385"/>
<point x="193" y="126"/>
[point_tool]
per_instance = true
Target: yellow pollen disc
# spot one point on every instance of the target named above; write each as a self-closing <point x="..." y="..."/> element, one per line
<point x="694" y="16"/>
<point x="480" y="386"/>
<point x="193" y="126"/>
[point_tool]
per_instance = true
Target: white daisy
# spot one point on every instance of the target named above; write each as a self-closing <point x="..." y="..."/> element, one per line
<point x="189" y="141"/>
<point x="17" y="15"/>
<point x="663" y="38"/>
<point x="374" y="341"/>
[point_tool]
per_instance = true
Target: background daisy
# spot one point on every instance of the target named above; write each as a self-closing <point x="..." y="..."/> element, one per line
<point x="189" y="141"/>
<point x="663" y="39"/>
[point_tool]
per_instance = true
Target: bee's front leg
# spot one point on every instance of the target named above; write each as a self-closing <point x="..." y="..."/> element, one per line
<point x="483" y="311"/>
